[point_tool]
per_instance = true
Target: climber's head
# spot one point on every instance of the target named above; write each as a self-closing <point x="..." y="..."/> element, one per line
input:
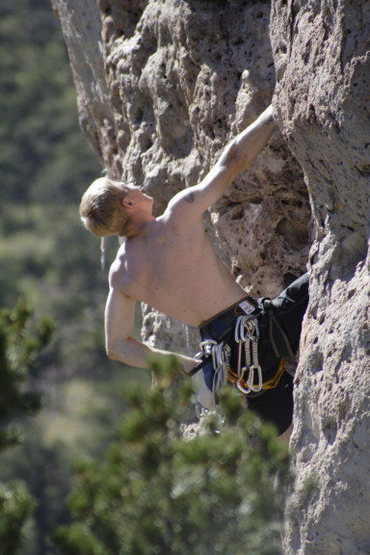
<point x="109" y="207"/>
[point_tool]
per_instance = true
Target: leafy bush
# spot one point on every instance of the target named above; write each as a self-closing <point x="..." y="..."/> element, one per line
<point x="15" y="506"/>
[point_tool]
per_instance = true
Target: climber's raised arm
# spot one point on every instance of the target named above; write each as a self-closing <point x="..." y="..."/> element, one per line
<point x="238" y="155"/>
<point x="119" y="325"/>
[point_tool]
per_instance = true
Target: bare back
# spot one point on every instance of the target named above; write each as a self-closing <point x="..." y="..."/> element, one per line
<point x="173" y="268"/>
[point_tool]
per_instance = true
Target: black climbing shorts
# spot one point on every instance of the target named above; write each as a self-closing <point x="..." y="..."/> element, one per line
<point x="275" y="405"/>
<point x="279" y="322"/>
<point x="288" y="308"/>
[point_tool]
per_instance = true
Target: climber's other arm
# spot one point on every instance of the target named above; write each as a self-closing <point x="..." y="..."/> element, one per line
<point x="239" y="154"/>
<point x="119" y="325"/>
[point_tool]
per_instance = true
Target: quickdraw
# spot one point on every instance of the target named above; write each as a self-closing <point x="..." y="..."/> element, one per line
<point x="250" y="375"/>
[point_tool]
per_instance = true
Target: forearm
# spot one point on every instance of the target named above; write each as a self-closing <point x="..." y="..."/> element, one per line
<point x="134" y="353"/>
<point x="246" y="146"/>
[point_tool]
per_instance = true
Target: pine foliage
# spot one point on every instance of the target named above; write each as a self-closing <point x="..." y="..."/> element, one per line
<point x="155" y="492"/>
<point x="15" y="507"/>
<point x="20" y="343"/>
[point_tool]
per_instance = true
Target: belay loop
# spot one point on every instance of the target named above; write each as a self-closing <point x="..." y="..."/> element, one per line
<point x="247" y="334"/>
<point x="220" y="353"/>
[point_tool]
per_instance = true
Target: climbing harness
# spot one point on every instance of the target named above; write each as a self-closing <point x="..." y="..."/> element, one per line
<point x="250" y="344"/>
<point x="214" y="356"/>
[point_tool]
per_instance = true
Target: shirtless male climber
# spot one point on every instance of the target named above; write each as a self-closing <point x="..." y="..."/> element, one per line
<point x="168" y="263"/>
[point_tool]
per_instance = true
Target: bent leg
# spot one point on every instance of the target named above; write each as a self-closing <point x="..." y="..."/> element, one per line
<point x="275" y="405"/>
<point x="290" y="306"/>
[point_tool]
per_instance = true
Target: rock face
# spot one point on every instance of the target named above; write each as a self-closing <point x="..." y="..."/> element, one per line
<point x="162" y="86"/>
<point x="321" y="54"/>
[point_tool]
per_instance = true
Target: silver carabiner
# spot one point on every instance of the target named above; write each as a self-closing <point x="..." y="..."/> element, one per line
<point x="252" y="369"/>
<point x="250" y="380"/>
<point x="252" y="329"/>
<point x="239" y="384"/>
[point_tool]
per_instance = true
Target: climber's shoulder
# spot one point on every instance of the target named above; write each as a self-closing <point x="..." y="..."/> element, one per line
<point x="186" y="208"/>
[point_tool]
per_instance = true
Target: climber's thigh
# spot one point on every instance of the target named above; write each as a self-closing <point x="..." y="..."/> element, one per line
<point x="290" y="306"/>
<point x="297" y="291"/>
<point x="276" y="405"/>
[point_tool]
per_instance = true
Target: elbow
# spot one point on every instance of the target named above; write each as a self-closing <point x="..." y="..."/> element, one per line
<point x="114" y="351"/>
<point x="231" y="154"/>
<point x="111" y="352"/>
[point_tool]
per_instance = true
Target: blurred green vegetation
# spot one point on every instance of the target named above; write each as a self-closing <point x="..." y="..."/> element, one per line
<point x="42" y="155"/>
<point x="154" y="492"/>
<point x="21" y="340"/>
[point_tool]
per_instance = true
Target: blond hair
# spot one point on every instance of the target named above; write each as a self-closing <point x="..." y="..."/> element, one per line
<point x="101" y="209"/>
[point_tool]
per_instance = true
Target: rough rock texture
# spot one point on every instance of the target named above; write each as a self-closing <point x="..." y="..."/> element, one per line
<point x="162" y="86"/>
<point x="321" y="53"/>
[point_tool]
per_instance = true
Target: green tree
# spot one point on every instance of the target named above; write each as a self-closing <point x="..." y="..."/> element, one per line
<point x="222" y="492"/>
<point x="20" y="344"/>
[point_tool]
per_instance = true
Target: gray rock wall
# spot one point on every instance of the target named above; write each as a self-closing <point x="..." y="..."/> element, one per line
<point x="162" y="86"/>
<point x="321" y="54"/>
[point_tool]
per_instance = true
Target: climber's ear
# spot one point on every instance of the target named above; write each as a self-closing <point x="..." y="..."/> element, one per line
<point x="127" y="202"/>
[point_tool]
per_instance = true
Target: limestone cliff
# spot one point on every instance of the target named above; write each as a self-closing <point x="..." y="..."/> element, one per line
<point x="162" y="86"/>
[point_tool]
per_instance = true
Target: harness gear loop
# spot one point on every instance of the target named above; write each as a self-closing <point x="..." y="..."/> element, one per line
<point x="270" y="384"/>
<point x="206" y="348"/>
<point x="273" y="382"/>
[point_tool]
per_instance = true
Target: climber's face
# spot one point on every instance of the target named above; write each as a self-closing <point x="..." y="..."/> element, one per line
<point x="137" y="198"/>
